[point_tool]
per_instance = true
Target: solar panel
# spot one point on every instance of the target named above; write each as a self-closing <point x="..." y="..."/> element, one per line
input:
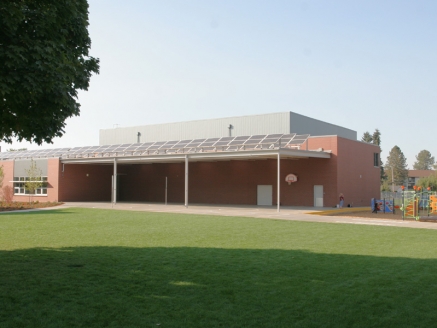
<point x="271" y="141"/>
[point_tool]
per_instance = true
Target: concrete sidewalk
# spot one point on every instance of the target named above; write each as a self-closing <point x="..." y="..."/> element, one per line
<point x="267" y="212"/>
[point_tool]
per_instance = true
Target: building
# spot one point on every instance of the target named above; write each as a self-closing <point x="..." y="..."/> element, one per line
<point x="415" y="175"/>
<point x="273" y="123"/>
<point x="272" y="159"/>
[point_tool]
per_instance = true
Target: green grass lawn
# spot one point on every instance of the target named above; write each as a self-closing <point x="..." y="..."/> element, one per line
<point x="108" y="268"/>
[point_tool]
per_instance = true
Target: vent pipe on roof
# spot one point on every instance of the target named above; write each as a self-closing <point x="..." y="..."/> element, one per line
<point x="230" y="127"/>
<point x="138" y="137"/>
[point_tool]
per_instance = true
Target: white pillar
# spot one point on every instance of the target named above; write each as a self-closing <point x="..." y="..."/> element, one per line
<point x="186" y="181"/>
<point x="114" y="192"/>
<point x="279" y="182"/>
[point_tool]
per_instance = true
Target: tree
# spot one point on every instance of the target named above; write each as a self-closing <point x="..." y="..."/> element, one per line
<point x="376" y="138"/>
<point x="1" y="180"/>
<point x="367" y="137"/>
<point x="34" y="178"/>
<point x="1" y="176"/>
<point x="430" y="181"/>
<point x="44" y="61"/>
<point x="397" y="162"/>
<point x="16" y="149"/>
<point x="424" y="160"/>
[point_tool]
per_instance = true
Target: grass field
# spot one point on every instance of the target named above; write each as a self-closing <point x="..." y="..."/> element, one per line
<point x="103" y="268"/>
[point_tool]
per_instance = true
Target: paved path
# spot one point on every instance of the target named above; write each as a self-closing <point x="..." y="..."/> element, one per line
<point x="286" y="213"/>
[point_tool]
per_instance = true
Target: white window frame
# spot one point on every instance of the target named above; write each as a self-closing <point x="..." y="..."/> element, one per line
<point x="20" y="189"/>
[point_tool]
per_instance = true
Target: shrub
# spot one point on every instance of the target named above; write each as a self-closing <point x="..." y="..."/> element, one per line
<point x="8" y="194"/>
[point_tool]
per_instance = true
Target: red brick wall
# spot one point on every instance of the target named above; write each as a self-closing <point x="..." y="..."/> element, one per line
<point x="52" y="181"/>
<point x="227" y="182"/>
<point x="85" y="182"/>
<point x="351" y="159"/>
<point x="359" y="180"/>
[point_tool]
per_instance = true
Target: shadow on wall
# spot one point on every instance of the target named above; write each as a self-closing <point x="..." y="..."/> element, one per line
<point x="190" y="287"/>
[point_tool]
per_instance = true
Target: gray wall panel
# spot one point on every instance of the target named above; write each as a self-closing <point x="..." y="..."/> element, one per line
<point x="242" y="125"/>
<point x="285" y="122"/>
<point x="301" y="124"/>
<point x="22" y="165"/>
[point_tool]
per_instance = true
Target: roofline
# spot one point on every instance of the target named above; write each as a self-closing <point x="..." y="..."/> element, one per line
<point x="240" y="155"/>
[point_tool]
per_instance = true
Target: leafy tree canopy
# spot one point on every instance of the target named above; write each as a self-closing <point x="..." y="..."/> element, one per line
<point x="16" y="149"/>
<point x="397" y="162"/>
<point x="430" y="181"/>
<point x="424" y="161"/>
<point x="44" y="60"/>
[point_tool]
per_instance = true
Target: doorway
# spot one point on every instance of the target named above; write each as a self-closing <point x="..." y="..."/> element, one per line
<point x="264" y="195"/>
<point x="318" y="196"/>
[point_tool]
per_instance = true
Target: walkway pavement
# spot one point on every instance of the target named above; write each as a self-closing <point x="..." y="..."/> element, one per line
<point x="267" y="212"/>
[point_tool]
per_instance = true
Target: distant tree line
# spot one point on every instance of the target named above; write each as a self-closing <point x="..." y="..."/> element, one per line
<point x="395" y="170"/>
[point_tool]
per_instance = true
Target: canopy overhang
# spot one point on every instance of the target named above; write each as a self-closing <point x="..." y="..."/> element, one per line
<point x="200" y="156"/>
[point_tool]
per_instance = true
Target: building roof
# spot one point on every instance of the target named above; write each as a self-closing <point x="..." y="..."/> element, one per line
<point x="420" y="173"/>
<point x="267" y="146"/>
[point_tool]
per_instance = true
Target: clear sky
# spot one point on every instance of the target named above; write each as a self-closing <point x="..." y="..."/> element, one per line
<point x="360" y="64"/>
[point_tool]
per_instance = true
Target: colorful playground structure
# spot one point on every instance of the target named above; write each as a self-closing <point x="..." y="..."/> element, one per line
<point x="418" y="203"/>
<point x="415" y="203"/>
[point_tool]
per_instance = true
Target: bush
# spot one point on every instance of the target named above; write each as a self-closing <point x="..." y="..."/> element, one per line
<point x="8" y="194"/>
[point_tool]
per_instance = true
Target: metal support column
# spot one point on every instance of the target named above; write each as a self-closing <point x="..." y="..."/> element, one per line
<point x="114" y="184"/>
<point x="165" y="190"/>
<point x="279" y="182"/>
<point x="186" y="181"/>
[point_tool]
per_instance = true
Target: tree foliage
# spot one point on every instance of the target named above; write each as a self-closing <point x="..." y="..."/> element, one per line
<point x="397" y="162"/>
<point x="366" y="137"/>
<point x="16" y="149"/>
<point x="34" y="178"/>
<point x="376" y="137"/>
<point x="430" y="181"/>
<point x="2" y="174"/>
<point x="44" y="61"/>
<point x="424" y="161"/>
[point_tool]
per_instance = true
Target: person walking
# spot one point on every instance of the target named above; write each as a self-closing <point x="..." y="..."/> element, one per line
<point x="341" y="200"/>
<point x="375" y="206"/>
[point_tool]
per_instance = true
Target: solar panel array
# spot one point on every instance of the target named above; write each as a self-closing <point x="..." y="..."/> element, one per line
<point x="239" y="143"/>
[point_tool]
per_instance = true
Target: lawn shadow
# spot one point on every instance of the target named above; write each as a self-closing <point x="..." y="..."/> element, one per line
<point x="213" y="287"/>
<point x="38" y="212"/>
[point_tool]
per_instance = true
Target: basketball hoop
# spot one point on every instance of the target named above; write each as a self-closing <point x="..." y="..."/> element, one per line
<point x="291" y="178"/>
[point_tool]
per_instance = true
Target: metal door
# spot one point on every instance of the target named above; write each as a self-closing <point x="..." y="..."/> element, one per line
<point x="265" y="195"/>
<point x="318" y="196"/>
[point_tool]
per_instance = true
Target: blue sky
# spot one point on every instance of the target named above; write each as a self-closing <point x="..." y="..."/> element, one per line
<point x="358" y="64"/>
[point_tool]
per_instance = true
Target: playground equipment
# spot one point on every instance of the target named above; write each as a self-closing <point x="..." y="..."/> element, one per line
<point x="383" y="205"/>
<point x="418" y="202"/>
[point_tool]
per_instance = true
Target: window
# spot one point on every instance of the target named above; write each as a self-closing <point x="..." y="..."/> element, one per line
<point x="20" y="187"/>
<point x="376" y="159"/>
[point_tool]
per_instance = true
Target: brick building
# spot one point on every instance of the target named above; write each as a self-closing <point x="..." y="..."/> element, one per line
<point x="219" y="168"/>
